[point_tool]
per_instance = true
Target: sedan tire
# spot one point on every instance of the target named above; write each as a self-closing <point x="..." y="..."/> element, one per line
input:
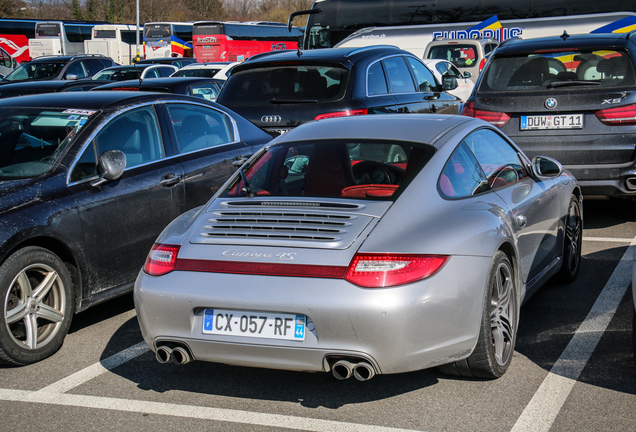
<point x="498" y="330"/>
<point x="37" y="306"/>
<point x="573" y="237"/>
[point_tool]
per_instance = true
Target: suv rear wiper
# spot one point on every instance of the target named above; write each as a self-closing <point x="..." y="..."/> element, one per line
<point x="571" y="83"/>
<point x="293" y="101"/>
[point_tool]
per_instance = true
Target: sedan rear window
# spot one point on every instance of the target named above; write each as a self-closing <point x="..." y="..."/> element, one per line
<point x="287" y="84"/>
<point x="583" y="69"/>
<point x="359" y="170"/>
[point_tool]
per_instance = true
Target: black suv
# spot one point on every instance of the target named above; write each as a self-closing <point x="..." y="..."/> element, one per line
<point x="59" y="68"/>
<point x="280" y="90"/>
<point x="569" y="97"/>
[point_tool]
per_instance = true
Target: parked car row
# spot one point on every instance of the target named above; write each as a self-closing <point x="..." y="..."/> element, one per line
<point x="322" y="245"/>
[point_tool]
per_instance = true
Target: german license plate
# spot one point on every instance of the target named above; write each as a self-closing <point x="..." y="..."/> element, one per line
<point x="558" y="121"/>
<point x="254" y="324"/>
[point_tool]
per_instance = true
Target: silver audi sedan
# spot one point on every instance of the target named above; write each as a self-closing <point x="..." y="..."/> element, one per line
<point x="365" y="245"/>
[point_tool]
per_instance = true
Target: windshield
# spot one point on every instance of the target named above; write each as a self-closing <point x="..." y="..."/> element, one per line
<point x="157" y="31"/>
<point x="287" y="84"/>
<point x="569" y="68"/>
<point x="35" y="71"/>
<point x="462" y="56"/>
<point x="353" y="169"/>
<point x="32" y="140"/>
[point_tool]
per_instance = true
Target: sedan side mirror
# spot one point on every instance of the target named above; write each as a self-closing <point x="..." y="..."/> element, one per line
<point x="450" y="83"/>
<point x="112" y="164"/>
<point x="72" y="77"/>
<point x="546" y="167"/>
<point x="467" y="74"/>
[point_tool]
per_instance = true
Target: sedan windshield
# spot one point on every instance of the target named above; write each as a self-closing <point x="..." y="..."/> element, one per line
<point x="351" y="169"/>
<point x="31" y="140"/>
<point x="35" y="71"/>
<point x="569" y="68"/>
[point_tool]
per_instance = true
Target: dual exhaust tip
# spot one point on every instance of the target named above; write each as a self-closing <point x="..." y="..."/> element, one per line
<point x="178" y="355"/>
<point x="342" y="369"/>
<point x="361" y="370"/>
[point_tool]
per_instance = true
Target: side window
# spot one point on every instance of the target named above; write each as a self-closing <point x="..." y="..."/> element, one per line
<point x="199" y="127"/>
<point x="207" y="91"/>
<point x="462" y="176"/>
<point x="400" y="79"/>
<point x="454" y="72"/>
<point x="376" y="81"/>
<point x="499" y="161"/>
<point x="135" y="132"/>
<point x="76" y="69"/>
<point x="165" y="71"/>
<point x="424" y="77"/>
<point x="152" y="73"/>
<point x="6" y="58"/>
<point x="93" y="66"/>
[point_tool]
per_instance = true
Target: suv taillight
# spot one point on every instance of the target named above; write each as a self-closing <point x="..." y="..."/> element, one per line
<point x="498" y="119"/>
<point x="619" y="116"/>
<point x="342" y="114"/>
<point x="482" y="63"/>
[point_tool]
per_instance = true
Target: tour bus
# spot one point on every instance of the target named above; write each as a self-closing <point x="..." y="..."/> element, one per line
<point x="415" y="38"/>
<point x="167" y="39"/>
<point x="117" y="41"/>
<point x="228" y="41"/>
<point x="15" y="35"/>
<point x="331" y="21"/>
<point x="60" y="38"/>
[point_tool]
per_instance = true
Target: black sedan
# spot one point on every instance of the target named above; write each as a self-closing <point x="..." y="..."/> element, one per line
<point x="205" y="88"/>
<point x="86" y="185"/>
<point x="37" y="87"/>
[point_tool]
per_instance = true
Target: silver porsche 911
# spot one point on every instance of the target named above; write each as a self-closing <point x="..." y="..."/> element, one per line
<point x="365" y="245"/>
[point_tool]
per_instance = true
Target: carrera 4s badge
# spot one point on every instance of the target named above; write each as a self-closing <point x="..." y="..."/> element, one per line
<point x="280" y="256"/>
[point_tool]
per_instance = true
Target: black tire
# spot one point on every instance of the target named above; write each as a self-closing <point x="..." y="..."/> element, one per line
<point x="37" y="306"/>
<point x="498" y="329"/>
<point x="572" y="239"/>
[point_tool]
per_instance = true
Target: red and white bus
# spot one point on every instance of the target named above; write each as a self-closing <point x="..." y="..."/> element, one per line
<point x="167" y="39"/>
<point x="229" y="41"/>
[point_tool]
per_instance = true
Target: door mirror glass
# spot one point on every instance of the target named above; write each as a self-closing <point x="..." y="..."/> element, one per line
<point x="546" y="167"/>
<point x="112" y="164"/>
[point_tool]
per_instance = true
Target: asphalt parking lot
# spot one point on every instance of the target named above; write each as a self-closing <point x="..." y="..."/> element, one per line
<point x="573" y="370"/>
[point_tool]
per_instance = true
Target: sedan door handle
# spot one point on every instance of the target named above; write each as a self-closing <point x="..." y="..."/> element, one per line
<point x="169" y="180"/>
<point x="522" y="220"/>
<point x="239" y="160"/>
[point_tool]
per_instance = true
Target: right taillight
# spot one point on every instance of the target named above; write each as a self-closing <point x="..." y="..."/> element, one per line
<point x="387" y="270"/>
<point x="498" y="119"/>
<point x="619" y="116"/>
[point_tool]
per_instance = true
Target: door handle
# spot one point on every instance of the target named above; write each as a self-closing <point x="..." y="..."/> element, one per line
<point x="522" y="220"/>
<point x="169" y="180"/>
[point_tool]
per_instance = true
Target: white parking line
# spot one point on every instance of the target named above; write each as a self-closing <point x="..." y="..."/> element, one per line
<point x="608" y="239"/>
<point x="276" y="421"/>
<point x="547" y="402"/>
<point x="96" y="369"/>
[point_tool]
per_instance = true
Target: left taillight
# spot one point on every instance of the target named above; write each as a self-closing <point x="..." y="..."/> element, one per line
<point x="342" y="114"/>
<point x="619" y="116"/>
<point x="387" y="270"/>
<point x="161" y="260"/>
<point x="499" y="119"/>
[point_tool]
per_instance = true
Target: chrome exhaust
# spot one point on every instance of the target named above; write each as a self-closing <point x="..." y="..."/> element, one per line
<point x="630" y="183"/>
<point x="363" y="371"/>
<point x="181" y="355"/>
<point x="163" y="354"/>
<point x="342" y="369"/>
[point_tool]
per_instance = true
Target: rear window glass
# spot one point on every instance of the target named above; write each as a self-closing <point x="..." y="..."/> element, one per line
<point x="589" y="69"/>
<point x="461" y="55"/>
<point x="358" y="170"/>
<point x="287" y="84"/>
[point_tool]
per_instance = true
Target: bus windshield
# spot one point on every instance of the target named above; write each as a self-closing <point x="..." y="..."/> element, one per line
<point x="47" y="30"/>
<point x="157" y="31"/>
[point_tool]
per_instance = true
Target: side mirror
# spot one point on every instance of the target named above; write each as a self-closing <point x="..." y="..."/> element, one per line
<point x="111" y="164"/>
<point x="449" y="83"/>
<point x="467" y="74"/>
<point x="546" y="167"/>
<point x="72" y="77"/>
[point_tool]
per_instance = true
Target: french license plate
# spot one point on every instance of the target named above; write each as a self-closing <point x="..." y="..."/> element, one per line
<point x="254" y="324"/>
<point x="559" y="121"/>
